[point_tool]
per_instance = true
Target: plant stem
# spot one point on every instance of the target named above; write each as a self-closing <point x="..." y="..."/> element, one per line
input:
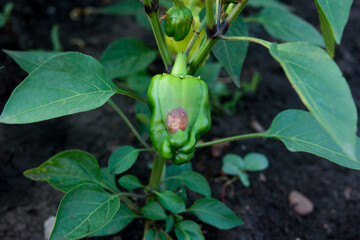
<point x="210" y="21"/>
<point x="223" y="189"/>
<point x="108" y="187"/>
<point x="132" y="95"/>
<point x="248" y="39"/>
<point x="127" y="194"/>
<point x="179" y="68"/>
<point x="122" y="197"/>
<point x="169" y="178"/>
<point x="230" y="139"/>
<point x="156" y="172"/>
<point x="129" y="124"/>
<point x="250" y="19"/>
<point x="178" y="3"/>
<point x="201" y="55"/>
<point x="130" y="204"/>
<point x="192" y="4"/>
<point x="194" y="37"/>
<point x="218" y="12"/>
<point x="234" y="14"/>
<point x="156" y="175"/>
<point x="152" y="11"/>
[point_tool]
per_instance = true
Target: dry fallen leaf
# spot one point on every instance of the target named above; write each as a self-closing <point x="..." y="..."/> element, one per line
<point x="301" y="204"/>
<point x="262" y="177"/>
<point x="256" y="126"/>
<point x="347" y="193"/>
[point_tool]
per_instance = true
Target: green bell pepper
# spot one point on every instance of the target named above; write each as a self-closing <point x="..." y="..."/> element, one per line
<point x="180" y="112"/>
<point x="178" y="22"/>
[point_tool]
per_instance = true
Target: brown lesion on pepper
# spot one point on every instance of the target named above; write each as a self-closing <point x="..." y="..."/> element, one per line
<point x="177" y="119"/>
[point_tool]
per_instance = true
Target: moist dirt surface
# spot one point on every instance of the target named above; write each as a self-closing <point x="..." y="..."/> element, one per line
<point x="264" y="206"/>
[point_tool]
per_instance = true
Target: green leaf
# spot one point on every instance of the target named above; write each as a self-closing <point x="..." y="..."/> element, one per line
<point x="327" y="33"/>
<point x="231" y="54"/>
<point x="130" y="182"/>
<point x="128" y="8"/>
<point x="235" y="165"/>
<point x="195" y="182"/>
<point x="267" y="3"/>
<point x="152" y="234"/>
<point x="188" y="230"/>
<point x="255" y="162"/>
<point x="122" y="218"/>
<point x="175" y="170"/>
<point x="215" y="213"/>
<point x="153" y="210"/>
<point x="138" y="82"/>
<point x="124" y="8"/>
<point x="232" y="164"/>
<point x="30" y="60"/>
<point x="83" y="211"/>
<point x="170" y="221"/>
<point x="283" y="25"/>
<point x="217" y="90"/>
<point x="65" y="84"/>
<point x="123" y="158"/>
<point x="142" y="114"/>
<point x="210" y="73"/>
<point x="181" y="193"/>
<point x="126" y="56"/>
<point x="166" y="4"/>
<point x="142" y="19"/>
<point x="322" y="88"/>
<point x="336" y="13"/>
<point x="171" y="202"/>
<point x="300" y="132"/>
<point x="244" y="178"/>
<point x="108" y="178"/>
<point x="67" y="170"/>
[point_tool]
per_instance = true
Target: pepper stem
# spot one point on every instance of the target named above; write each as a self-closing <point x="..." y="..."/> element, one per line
<point x="157" y="173"/>
<point x="179" y="68"/>
<point x="202" y="53"/>
<point x="178" y="3"/>
<point x="153" y="16"/>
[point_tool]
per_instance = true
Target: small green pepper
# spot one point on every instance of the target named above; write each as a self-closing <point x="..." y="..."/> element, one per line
<point x="178" y="22"/>
<point x="180" y="112"/>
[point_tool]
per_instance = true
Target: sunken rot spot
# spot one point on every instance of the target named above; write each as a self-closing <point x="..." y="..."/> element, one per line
<point x="177" y="119"/>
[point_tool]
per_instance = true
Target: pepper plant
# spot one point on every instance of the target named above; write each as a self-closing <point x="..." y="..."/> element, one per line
<point x="177" y="111"/>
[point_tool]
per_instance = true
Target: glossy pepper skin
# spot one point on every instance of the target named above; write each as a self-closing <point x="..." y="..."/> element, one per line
<point x="180" y="46"/>
<point x="178" y="22"/>
<point x="180" y="113"/>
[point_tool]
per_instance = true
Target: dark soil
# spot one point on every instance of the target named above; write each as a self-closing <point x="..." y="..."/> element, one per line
<point x="264" y="206"/>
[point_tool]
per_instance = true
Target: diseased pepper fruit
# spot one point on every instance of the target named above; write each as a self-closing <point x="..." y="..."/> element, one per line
<point x="178" y="22"/>
<point x="180" y="112"/>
